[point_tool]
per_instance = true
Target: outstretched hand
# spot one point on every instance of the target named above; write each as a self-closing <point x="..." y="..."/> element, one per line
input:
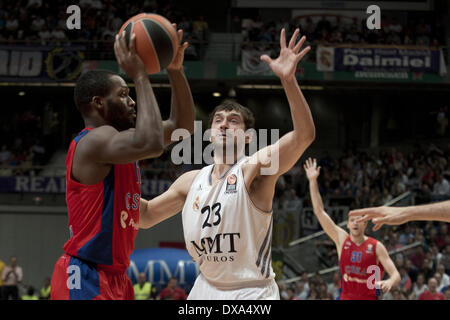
<point x="312" y="171"/>
<point x="380" y="216"/>
<point x="285" y="65"/>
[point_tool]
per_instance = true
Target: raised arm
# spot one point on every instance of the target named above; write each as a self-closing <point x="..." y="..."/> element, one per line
<point x="336" y="233"/>
<point x="182" y="112"/>
<point x="398" y="215"/>
<point x="291" y="146"/>
<point x="167" y="204"/>
<point x="389" y="266"/>
<point x="266" y="165"/>
<point x="106" y="144"/>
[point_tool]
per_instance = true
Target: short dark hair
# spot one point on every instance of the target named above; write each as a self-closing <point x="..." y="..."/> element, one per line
<point x="229" y="105"/>
<point x="89" y="84"/>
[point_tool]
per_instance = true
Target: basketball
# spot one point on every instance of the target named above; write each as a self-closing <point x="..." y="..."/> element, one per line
<point x="156" y="40"/>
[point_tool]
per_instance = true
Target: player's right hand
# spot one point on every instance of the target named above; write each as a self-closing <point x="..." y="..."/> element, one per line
<point x="311" y="169"/>
<point x="127" y="58"/>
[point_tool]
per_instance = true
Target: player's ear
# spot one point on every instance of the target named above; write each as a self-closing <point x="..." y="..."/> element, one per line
<point x="99" y="105"/>
<point x="97" y="102"/>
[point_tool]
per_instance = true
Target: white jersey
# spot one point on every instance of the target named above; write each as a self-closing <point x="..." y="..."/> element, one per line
<point x="225" y="234"/>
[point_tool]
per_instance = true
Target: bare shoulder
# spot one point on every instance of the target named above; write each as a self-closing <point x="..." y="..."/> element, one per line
<point x="184" y="182"/>
<point x="380" y="249"/>
<point x="96" y="138"/>
<point x="101" y="134"/>
<point x="342" y="236"/>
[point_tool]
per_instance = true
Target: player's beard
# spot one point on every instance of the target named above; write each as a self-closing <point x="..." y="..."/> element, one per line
<point x="118" y="116"/>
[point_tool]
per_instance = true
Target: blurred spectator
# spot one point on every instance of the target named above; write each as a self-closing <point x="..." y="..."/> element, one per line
<point x="172" y="291"/>
<point x="11" y="276"/>
<point x="445" y="278"/>
<point x="418" y="288"/>
<point x="447" y="293"/>
<point x="200" y="28"/>
<point x="441" y="186"/>
<point x="300" y="290"/>
<point x="44" y="293"/>
<point x="442" y="121"/>
<point x="37" y="24"/>
<point x="291" y="200"/>
<point x="333" y="287"/>
<point x="142" y="289"/>
<point x="445" y="260"/>
<point x="30" y="294"/>
<point x="313" y="294"/>
<point x="323" y="292"/>
<point x="418" y="257"/>
<point x="290" y="294"/>
<point x="431" y="293"/>
<point x="5" y="154"/>
<point x="58" y="35"/>
<point x="398" y="294"/>
<point x="438" y="278"/>
<point x="405" y="282"/>
<point x="11" y="27"/>
<point x="185" y="25"/>
<point x="427" y="268"/>
<point x="45" y="35"/>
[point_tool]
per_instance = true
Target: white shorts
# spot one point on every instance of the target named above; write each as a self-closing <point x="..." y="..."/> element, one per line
<point x="203" y="290"/>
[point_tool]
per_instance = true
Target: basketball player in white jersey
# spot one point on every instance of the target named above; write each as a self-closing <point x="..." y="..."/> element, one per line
<point x="227" y="207"/>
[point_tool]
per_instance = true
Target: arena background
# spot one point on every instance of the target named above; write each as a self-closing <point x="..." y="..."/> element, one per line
<point x="381" y="133"/>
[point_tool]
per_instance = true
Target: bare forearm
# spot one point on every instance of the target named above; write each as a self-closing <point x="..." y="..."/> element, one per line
<point x="395" y="278"/>
<point x="304" y="129"/>
<point x="148" y="120"/>
<point x="327" y="224"/>
<point x="430" y="212"/>
<point x="182" y="111"/>
<point x="316" y="198"/>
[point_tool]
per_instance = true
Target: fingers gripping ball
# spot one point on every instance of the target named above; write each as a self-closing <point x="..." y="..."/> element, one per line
<point x="156" y="40"/>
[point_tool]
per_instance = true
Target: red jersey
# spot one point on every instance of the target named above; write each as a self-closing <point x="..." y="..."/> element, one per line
<point x="103" y="217"/>
<point x="359" y="270"/>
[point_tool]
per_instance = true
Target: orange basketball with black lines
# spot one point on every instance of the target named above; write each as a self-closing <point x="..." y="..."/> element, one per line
<point x="156" y="40"/>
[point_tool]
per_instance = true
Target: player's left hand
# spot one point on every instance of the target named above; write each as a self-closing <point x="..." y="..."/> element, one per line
<point x="177" y="61"/>
<point x="285" y="65"/>
<point x="385" y="285"/>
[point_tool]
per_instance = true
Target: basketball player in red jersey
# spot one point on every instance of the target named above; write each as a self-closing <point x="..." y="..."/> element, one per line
<point x="362" y="259"/>
<point x="103" y="180"/>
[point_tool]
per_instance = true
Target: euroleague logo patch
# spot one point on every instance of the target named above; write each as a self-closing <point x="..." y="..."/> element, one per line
<point x="196" y="204"/>
<point x="231" y="184"/>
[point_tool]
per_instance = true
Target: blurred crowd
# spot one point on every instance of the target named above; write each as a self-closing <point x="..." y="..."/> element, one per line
<point x="23" y="142"/>
<point x="362" y="179"/>
<point x="330" y="29"/>
<point x="102" y="20"/>
<point x="338" y="29"/>
<point x="424" y="268"/>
